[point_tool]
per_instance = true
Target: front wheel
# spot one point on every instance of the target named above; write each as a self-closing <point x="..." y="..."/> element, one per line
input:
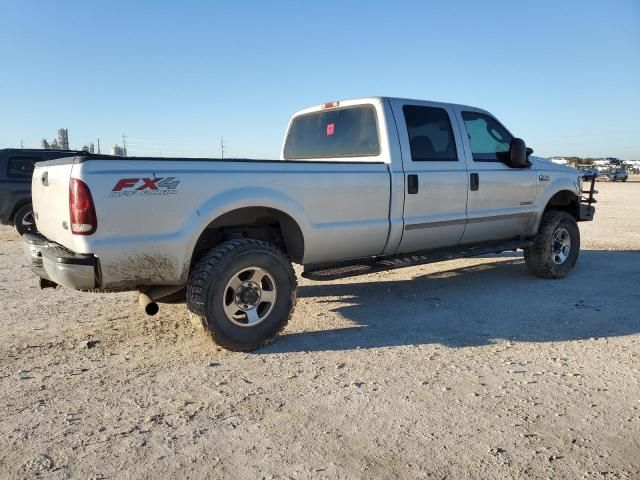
<point x="23" y="220"/>
<point x="556" y="246"/>
<point x="244" y="291"/>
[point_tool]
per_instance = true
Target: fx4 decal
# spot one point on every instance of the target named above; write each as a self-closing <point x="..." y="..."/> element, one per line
<point x="128" y="187"/>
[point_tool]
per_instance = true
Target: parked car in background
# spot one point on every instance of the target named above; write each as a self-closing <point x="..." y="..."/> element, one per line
<point x="16" y="167"/>
<point x="589" y="171"/>
<point x="618" y="175"/>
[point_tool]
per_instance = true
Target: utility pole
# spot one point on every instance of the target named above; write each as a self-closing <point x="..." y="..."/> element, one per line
<point x="124" y="144"/>
<point x="222" y="147"/>
<point x="98" y="145"/>
<point x="21" y="144"/>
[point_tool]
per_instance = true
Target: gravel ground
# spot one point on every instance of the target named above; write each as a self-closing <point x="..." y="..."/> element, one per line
<point x="463" y="369"/>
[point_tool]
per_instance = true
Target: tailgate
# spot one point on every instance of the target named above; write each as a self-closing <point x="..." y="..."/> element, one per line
<point x="50" y="196"/>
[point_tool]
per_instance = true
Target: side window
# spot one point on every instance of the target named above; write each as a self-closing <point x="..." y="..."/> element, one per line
<point x="489" y="140"/>
<point x="335" y="133"/>
<point x="21" y="167"/>
<point x="430" y="134"/>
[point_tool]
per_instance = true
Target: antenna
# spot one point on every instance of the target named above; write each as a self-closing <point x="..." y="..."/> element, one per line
<point x="222" y="145"/>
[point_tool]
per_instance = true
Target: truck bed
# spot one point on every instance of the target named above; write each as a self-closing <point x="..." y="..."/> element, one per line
<point x="152" y="210"/>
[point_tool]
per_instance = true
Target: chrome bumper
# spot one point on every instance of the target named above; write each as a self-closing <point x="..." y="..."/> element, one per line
<point x="57" y="264"/>
<point x="32" y="246"/>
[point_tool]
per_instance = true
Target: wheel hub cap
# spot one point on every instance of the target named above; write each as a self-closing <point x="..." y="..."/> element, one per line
<point x="27" y="220"/>
<point x="249" y="296"/>
<point x="561" y="247"/>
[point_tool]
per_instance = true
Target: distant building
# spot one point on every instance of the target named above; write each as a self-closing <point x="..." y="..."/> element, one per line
<point x="60" y="143"/>
<point x="90" y="148"/>
<point x="63" y="138"/>
<point x="117" y="150"/>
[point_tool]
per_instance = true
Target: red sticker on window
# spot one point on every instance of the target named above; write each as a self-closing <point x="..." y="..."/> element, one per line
<point x="330" y="128"/>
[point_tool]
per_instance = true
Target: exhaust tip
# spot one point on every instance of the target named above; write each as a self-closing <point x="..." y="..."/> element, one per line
<point x="149" y="306"/>
<point x="151" y="309"/>
<point x="149" y="296"/>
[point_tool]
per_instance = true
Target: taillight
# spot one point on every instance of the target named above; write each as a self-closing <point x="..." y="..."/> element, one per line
<point x="81" y="208"/>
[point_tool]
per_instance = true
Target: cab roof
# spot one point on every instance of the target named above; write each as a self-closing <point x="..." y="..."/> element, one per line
<point x="379" y="99"/>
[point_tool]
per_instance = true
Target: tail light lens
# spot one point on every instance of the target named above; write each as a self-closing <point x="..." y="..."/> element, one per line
<point x="81" y="209"/>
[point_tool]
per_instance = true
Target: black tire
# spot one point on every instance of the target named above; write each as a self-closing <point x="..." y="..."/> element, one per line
<point x="548" y="258"/>
<point x="210" y="296"/>
<point x="23" y="220"/>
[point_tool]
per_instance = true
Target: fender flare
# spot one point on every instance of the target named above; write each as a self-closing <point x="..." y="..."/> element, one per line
<point x="559" y="185"/>
<point x="240" y="198"/>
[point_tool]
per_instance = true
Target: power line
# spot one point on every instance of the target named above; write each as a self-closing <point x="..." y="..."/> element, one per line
<point x="141" y="140"/>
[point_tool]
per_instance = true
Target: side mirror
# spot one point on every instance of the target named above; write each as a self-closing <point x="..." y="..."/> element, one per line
<point x="518" y="154"/>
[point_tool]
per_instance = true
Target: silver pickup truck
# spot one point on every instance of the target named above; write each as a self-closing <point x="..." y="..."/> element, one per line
<point x="362" y="185"/>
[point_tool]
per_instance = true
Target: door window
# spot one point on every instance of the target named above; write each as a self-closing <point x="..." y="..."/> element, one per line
<point x="489" y="140"/>
<point x="430" y="134"/>
<point x="21" y="167"/>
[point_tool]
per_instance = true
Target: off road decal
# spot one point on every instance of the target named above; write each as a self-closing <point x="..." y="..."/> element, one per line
<point x="129" y="187"/>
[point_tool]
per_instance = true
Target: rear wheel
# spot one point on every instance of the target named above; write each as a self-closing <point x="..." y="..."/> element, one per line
<point x="556" y="247"/>
<point x="245" y="292"/>
<point x="24" y="221"/>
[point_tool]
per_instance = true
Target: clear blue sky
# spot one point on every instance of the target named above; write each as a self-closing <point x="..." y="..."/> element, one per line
<point x="564" y="75"/>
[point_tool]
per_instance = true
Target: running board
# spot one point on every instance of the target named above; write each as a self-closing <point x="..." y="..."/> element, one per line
<point x="333" y="271"/>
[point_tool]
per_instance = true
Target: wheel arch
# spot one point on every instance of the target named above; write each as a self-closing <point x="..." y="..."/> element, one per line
<point x="258" y="222"/>
<point x="18" y="205"/>
<point x="564" y="200"/>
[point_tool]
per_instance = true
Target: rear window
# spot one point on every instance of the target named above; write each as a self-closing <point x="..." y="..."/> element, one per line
<point x="21" y="167"/>
<point x="344" y="132"/>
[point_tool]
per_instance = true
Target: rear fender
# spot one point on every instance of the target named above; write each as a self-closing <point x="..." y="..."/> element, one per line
<point x="229" y="201"/>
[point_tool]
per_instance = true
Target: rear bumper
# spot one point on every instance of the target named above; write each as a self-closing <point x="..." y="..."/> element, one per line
<point x="57" y="264"/>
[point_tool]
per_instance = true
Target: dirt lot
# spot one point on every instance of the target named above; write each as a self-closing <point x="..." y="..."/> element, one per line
<point x="464" y="369"/>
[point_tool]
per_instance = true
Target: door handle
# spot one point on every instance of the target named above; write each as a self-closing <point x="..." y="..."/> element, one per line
<point x="412" y="184"/>
<point x="474" y="182"/>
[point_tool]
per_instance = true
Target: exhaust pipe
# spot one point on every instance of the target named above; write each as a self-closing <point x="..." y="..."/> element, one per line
<point x="149" y="296"/>
<point x="148" y="305"/>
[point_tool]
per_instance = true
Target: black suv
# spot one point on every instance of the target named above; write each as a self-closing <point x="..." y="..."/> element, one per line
<point x="16" y="167"/>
